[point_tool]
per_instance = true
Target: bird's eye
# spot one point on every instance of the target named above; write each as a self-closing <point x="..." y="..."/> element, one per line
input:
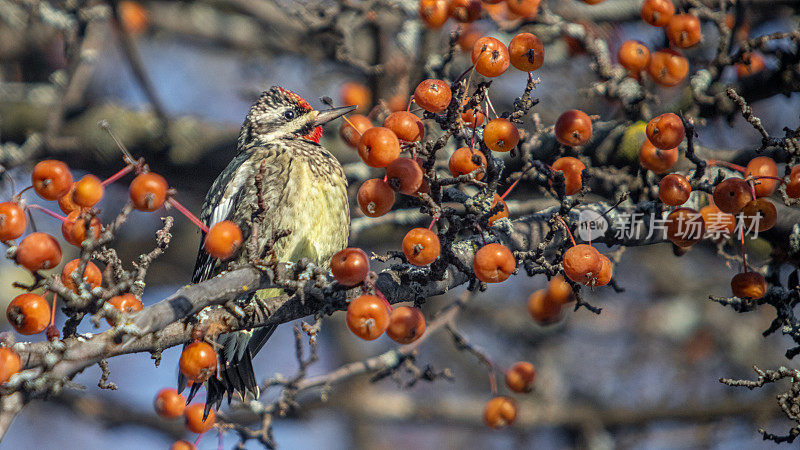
<point x="288" y="114"/>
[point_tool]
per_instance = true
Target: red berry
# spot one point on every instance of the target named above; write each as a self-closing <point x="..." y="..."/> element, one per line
<point x="91" y="275"/>
<point x="28" y="313"/>
<point x="731" y="194"/>
<point x="657" y="13"/>
<point x="408" y="127"/>
<point x="51" y="179"/>
<point x="500" y="412"/>
<point x="656" y="159"/>
<point x="665" y="131"/>
<point x="10" y="364"/>
<point x="223" y="239"/>
<point x="378" y="147"/>
<point x="75" y="231"/>
<point x="169" y="403"/>
<point x="433" y="95"/>
<point x="352" y="129"/>
<point x="573" y="128"/>
<point x="685" y="227"/>
<point x="683" y="30"/>
<point x="406" y="324"/>
<point x="572" y="168"/>
<point x="633" y="55"/>
<point x="748" y="285"/>
<point x="198" y="361"/>
<point x="375" y="197"/>
<point x="127" y="303"/>
<point x="490" y="57"/>
<point x="543" y="309"/>
<point x="12" y="221"/>
<point x="494" y="263"/>
<point x="421" y="246"/>
<point x="350" y="266"/>
<point x="367" y="317"/>
<point x="763" y="166"/>
<point x="148" y="191"/>
<point x="404" y="175"/>
<point x="193" y="417"/>
<point x="519" y="378"/>
<point x="500" y="135"/>
<point x="466" y="160"/>
<point x="582" y="263"/>
<point x="38" y="251"/>
<point x="674" y="189"/>
<point x="87" y="191"/>
<point x="668" y="67"/>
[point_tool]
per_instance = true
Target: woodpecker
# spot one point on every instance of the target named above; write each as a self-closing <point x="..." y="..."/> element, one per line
<point x="305" y="191"/>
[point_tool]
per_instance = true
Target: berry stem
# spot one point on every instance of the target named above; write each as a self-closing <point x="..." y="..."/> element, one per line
<point x="47" y="211"/>
<point x="514" y="184"/>
<point x="769" y="177"/>
<point x="410" y="101"/>
<point x="732" y="166"/>
<point x="433" y="221"/>
<point x="53" y="311"/>
<point x="127" y="157"/>
<point x="188" y="214"/>
<point x="380" y="295"/>
<point x="572" y="238"/>
<point x="125" y="170"/>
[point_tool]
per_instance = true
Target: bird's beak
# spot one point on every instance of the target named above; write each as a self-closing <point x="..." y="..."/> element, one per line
<point x="327" y="115"/>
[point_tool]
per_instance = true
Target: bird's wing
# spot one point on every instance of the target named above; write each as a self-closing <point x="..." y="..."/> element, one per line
<point x="220" y="204"/>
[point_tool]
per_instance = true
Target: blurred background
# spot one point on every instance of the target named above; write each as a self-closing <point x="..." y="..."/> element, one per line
<point x="175" y="80"/>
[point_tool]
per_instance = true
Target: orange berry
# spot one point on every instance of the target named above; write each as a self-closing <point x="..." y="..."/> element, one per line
<point x="717" y="221"/>
<point x="793" y="186"/>
<point x="421" y="246"/>
<point x="490" y="57"/>
<point x="582" y="263"/>
<point x="633" y="55"/>
<point x="223" y="239"/>
<point x="127" y="303"/>
<point x="398" y="102"/>
<point x="502" y="214"/>
<point x="182" y="445"/>
<point x="87" y="191"/>
<point x="378" y="147"/>
<point x="665" y="131"/>
<point x="350" y="266"/>
<point x="472" y="118"/>
<point x="519" y="378"/>
<point x="375" y="197"/>
<point x="134" y="16"/>
<point x="434" y="13"/>
<point x="763" y="166"/>
<point x="350" y="134"/>
<point x="169" y="403"/>
<point x="433" y="95"/>
<point x="466" y="160"/>
<point x="527" y="9"/>
<point x="500" y="135"/>
<point x="572" y="168"/>
<point x="731" y="194"/>
<point x="573" y="128"/>
<point x="38" y="251"/>
<point x="656" y="159"/>
<point x="606" y="272"/>
<point x="148" y="191"/>
<point x="674" y="189"/>
<point x="367" y="317"/>
<point x="406" y="324"/>
<point x="657" y="13"/>
<point x="10" y="364"/>
<point x="500" y="412"/>
<point x="494" y="263"/>
<point x="526" y="51"/>
<point x="198" y="361"/>
<point x="28" y="313"/>
<point x="75" y="231"/>
<point x="12" y="221"/>
<point x="668" y="67"/>
<point x="408" y="127"/>
<point x="752" y="64"/>
<point x="469" y="34"/>
<point x="543" y="309"/>
<point x="51" y="179"/>
<point x="683" y="30"/>
<point x="559" y="291"/>
<point x="356" y="94"/>
<point x="685" y="227"/>
<point x="404" y="175"/>
<point x="748" y="285"/>
<point x="760" y="212"/>
<point x="465" y="11"/>
<point x="91" y="276"/>
<point x="65" y="201"/>
<point x="193" y="417"/>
